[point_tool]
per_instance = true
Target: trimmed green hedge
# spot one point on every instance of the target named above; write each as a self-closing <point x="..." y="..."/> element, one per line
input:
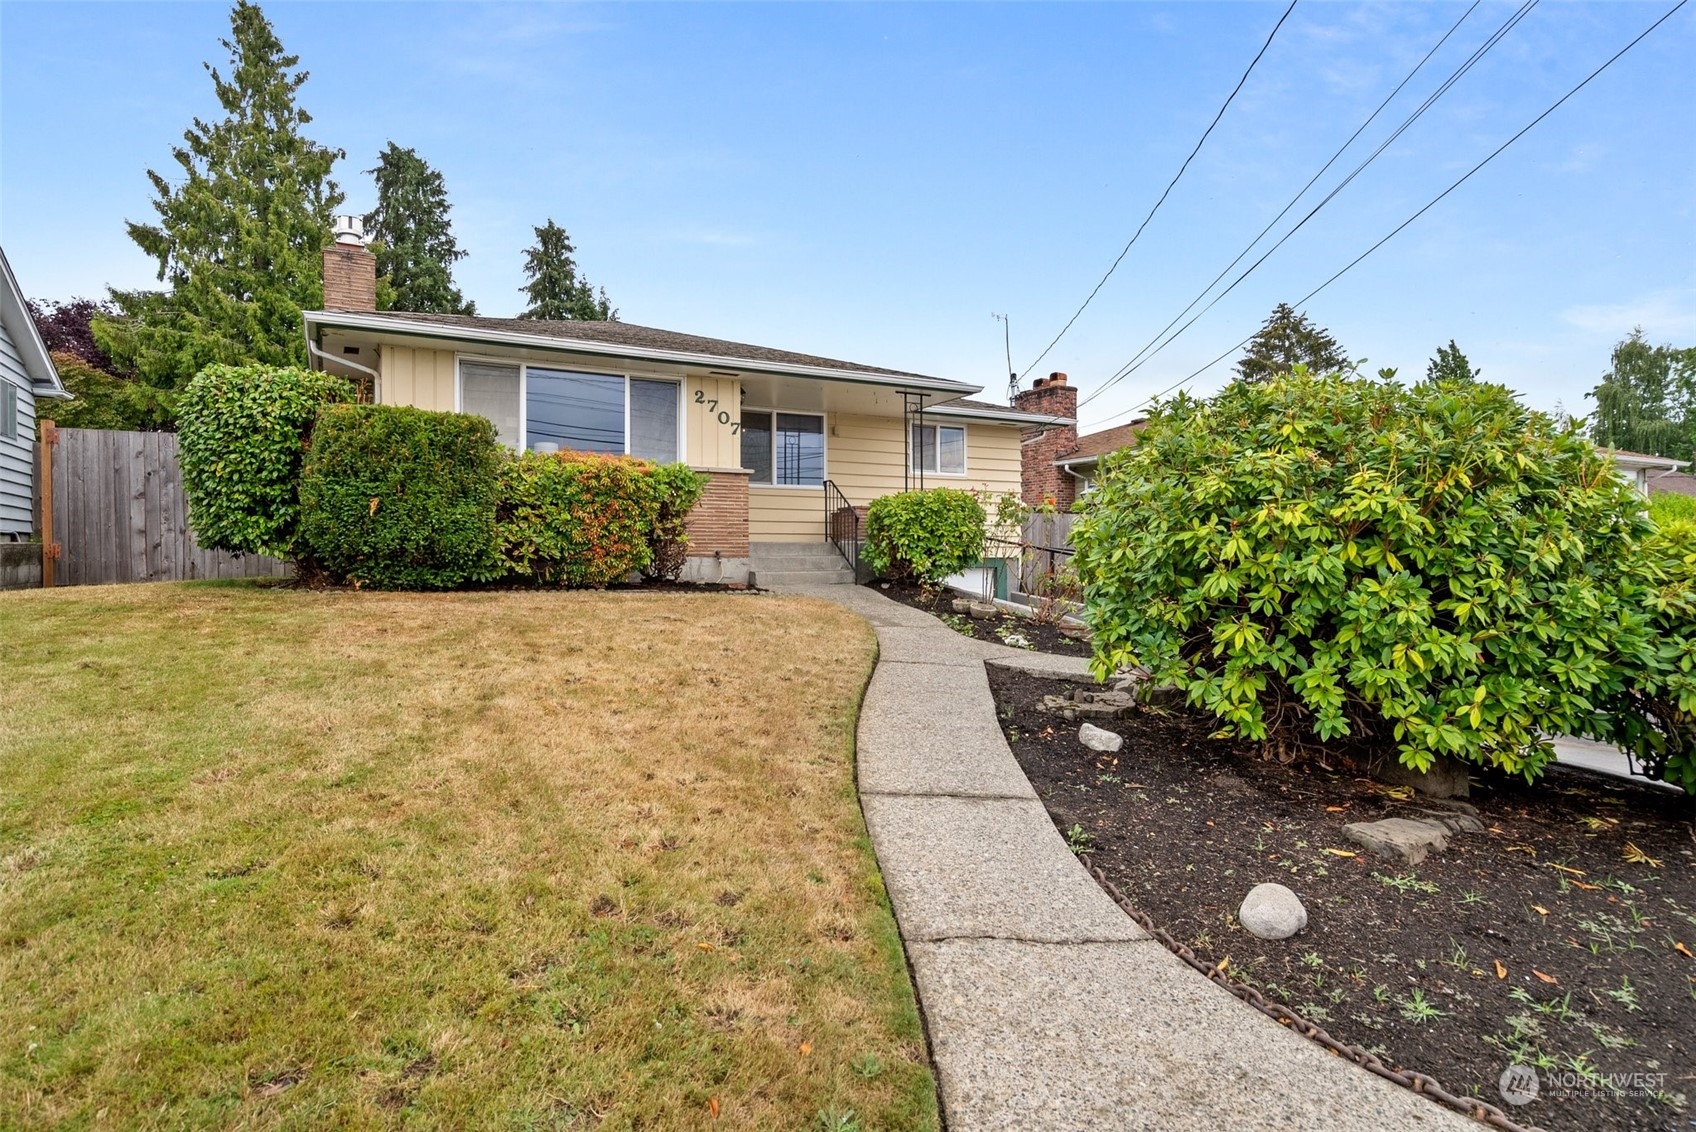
<point x="242" y="434"/>
<point x="924" y="536"/>
<point x="587" y="519"/>
<point x="402" y="498"/>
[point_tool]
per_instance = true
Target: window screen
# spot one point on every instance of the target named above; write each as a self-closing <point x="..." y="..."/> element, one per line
<point x="653" y="420"/>
<point x="491" y="391"/>
<point x="580" y="411"/>
<point x="756" y="446"/>
<point x="798" y="450"/>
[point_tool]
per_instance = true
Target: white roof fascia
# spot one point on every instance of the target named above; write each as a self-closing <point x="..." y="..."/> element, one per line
<point x="357" y="321"/>
<point x="38" y="363"/>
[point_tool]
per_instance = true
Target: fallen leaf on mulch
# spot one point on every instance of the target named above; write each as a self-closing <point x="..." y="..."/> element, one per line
<point x="1566" y="869"/>
<point x="1546" y="978"/>
<point x="1637" y="857"/>
<point x="1683" y="950"/>
<point x="1341" y="853"/>
<point x="1501" y="971"/>
<point x="1539" y="909"/>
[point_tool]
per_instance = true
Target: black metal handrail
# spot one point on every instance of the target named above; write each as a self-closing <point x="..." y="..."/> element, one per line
<point x="842" y="526"/>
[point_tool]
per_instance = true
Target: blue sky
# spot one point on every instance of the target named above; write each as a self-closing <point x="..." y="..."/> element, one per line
<point x="871" y="181"/>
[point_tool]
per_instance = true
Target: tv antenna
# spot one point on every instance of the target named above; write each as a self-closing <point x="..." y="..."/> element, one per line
<point x="1007" y="342"/>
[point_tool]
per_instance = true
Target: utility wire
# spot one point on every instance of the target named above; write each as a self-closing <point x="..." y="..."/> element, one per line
<point x="1126" y="249"/>
<point x="1429" y="205"/>
<point x="1145" y="354"/>
<point x="1261" y="235"/>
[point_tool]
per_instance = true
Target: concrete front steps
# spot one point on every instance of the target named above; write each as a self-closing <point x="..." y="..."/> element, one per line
<point x="797" y="564"/>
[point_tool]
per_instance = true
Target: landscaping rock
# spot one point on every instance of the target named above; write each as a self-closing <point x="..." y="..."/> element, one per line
<point x="1100" y="739"/>
<point x="1272" y="911"/>
<point x="1447" y="778"/>
<point x="1399" y="839"/>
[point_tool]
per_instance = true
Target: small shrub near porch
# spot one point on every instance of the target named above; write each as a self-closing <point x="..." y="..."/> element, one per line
<point x="924" y="536"/>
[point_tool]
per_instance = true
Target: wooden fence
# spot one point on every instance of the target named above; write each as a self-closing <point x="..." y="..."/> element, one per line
<point x="113" y="503"/>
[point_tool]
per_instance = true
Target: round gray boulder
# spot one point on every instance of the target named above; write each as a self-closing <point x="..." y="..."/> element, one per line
<point x="1100" y="739"/>
<point x="1272" y="911"/>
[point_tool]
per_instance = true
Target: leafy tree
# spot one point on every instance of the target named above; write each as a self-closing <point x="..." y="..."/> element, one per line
<point x="412" y="235"/>
<point x="1647" y="399"/>
<point x="1451" y="365"/>
<point x="1427" y="570"/>
<point x="239" y="240"/>
<point x="555" y="291"/>
<point x="1286" y="340"/>
<point x="103" y="400"/>
<point x="66" y="329"/>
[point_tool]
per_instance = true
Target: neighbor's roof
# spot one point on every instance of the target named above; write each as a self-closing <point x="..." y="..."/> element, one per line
<point x="626" y="339"/>
<point x="1092" y="446"/>
<point x="26" y="339"/>
<point x="1641" y="459"/>
<point x="1680" y="483"/>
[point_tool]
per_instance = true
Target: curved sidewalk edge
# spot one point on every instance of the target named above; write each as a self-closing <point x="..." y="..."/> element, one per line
<point x="1047" y="1007"/>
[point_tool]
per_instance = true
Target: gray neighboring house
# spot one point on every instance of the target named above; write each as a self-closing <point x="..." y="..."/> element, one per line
<point x="26" y="375"/>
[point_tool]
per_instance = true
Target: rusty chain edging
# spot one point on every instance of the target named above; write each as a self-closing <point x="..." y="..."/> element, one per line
<point x="1423" y="1084"/>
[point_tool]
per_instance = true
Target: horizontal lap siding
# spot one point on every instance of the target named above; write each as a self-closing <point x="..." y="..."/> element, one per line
<point x="17" y="458"/>
<point x="785" y="514"/>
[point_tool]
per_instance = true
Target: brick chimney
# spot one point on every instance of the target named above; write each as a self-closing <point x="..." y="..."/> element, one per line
<point x="1041" y="445"/>
<point x="350" y="270"/>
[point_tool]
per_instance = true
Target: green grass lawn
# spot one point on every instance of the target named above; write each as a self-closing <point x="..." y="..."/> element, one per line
<point x="282" y="859"/>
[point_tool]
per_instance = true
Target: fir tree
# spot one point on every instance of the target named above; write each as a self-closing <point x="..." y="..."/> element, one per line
<point x="1286" y="340"/>
<point x="412" y="235"/>
<point x="555" y="291"/>
<point x="239" y="241"/>
<point x="1451" y="365"/>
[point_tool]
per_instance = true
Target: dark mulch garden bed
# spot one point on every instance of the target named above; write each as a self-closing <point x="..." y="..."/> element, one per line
<point x="1042" y="638"/>
<point x="1560" y="938"/>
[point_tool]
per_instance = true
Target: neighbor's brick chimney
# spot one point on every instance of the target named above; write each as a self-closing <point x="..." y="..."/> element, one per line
<point x="350" y="270"/>
<point x="1041" y="445"/>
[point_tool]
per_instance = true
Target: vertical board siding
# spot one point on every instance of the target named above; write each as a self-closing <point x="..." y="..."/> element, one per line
<point x="120" y="515"/>
<point x="710" y="443"/>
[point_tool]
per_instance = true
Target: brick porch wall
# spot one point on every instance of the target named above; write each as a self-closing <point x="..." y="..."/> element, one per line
<point x="719" y="522"/>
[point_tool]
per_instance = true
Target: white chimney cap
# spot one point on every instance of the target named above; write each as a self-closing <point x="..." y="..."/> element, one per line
<point x="349" y="230"/>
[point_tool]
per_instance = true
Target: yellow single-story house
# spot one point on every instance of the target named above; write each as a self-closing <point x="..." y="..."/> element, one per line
<point x="795" y="445"/>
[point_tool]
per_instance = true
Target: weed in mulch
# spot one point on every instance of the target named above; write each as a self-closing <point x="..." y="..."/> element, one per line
<point x="1003" y="629"/>
<point x="1560" y="938"/>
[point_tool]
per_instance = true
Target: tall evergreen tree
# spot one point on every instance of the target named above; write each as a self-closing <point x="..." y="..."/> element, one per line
<point x="1451" y="365"/>
<point x="1285" y="340"/>
<point x="412" y="235"/>
<point x="555" y="290"/>
<point x="1647" y="399"/>
<point x="239" y="240"/>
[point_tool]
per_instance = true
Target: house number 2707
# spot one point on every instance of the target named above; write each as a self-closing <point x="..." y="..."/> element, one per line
<point x="711" y="403"/>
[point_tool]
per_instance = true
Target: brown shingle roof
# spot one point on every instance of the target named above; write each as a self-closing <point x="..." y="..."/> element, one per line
<point x="1680" y="483"/>
<point x="1097" y="444"/>
<point x="643" y="337"/>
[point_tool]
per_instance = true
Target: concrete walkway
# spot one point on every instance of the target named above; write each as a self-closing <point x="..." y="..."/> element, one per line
<point x="1047" y="1007"/>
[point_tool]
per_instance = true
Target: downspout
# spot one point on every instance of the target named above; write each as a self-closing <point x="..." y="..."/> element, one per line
<point x="376" y="378"/>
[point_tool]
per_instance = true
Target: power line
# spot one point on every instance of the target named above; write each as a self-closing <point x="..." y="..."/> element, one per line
<point x="1261" y="235"/>
<point x="1428" y="206"/>
<point x="1126" y="249"/>
<point x="1145" y="354"/>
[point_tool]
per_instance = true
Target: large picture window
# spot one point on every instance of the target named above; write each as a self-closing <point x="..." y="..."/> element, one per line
<point x="940" y="449"/>
<point x="550" y="409"/>
<point x="783" y="449"/>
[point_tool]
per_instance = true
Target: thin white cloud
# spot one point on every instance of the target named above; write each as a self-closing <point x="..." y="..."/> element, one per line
<point x="1664" y="315"/>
